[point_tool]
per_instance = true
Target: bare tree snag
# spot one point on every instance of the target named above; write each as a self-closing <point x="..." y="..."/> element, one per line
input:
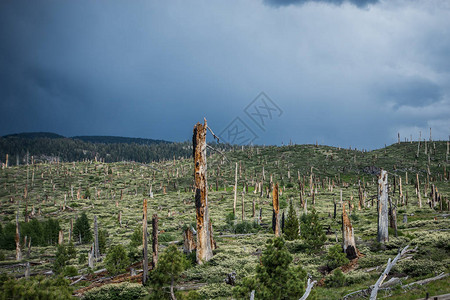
<point x="243" y="206"/>
<point x="154" y="241"/>
<point x="348" y="237"/>
<point x="254" y="208"/>
<point x="71" y="230"/>
<point x="6" y="161"/>
<point x="418" y="190"/>
<point x="235" y="190"/>
<point x="18" y="251"/>
<point x="188" y="241"/>
<point x="393" y="216"/>
<point x="96" y="247"/>
<point x="373" y="294"/>
<point x="204" y="251"/>
<point x="382" y="207"/>
<point x="276" y="211"/>
<point x="144" y="244"/>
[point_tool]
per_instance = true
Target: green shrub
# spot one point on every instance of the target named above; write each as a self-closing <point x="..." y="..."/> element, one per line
<point x="291" y="225"/>
<point x="275" y="278"/>
<point x="82" y="229"/>
<point x="70" y="271"/>
<point x="336" y="257"/>
<point x="336" y="279"/>
<point x="311" y="230"/>
<point x="245" y="227"/>
<point x="121" y="291"/>
<point x="116" y="259"/>
<point x="420" y="267"/>
<point x="36" y="287"/>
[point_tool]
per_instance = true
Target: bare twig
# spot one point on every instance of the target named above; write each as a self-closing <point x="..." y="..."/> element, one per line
<point x="220" y="152"/>
<point x="215" y="136"/>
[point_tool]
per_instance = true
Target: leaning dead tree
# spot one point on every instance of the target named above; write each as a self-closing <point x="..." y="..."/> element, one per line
<point x="382" y="207"/>
<point x="390" y="264"/>
<point x="276" y="211"/>
<point x="145" y="244"/>
<point x="348" y="237"/>
<point x="204" y="251"/>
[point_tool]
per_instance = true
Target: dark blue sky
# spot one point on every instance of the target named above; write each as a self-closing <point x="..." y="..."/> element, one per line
<point x="347" y="73"/>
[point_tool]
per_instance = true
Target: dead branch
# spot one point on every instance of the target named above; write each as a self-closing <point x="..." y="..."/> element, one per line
<point x="308" y="289"/>
<point x="390" y="264"/>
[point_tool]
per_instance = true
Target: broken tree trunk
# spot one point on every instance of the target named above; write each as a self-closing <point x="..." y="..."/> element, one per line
<point x="96" y="247"/>
<point x="276" y="211"/>
<point x="154" y="241"/>
<point x="204" y="251"/>
<point x="348" y="237"/>
<point x="382" y="207"/>
<point x="144" y="244"/>
<point x="61" y="237"/>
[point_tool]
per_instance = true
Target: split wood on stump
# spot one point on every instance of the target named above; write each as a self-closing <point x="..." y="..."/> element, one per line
<point x="204" y="251"/>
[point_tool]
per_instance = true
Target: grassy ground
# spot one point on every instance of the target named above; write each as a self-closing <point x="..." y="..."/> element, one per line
<point x="426" y="228"/>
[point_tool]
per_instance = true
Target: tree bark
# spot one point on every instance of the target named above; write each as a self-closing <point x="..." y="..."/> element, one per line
<point x="96" y="247"/>
<point x="418" y="190"/>
<point x="382" y="207"/>
<point x="144" y="244"/>
<point x="188" y="241"/>
<point x="18" y="250"/>
<point x="276" y="211"/>
<point x="204" y="251"/>
<point x="348" y="237"/>
<point x="154" y="241"/>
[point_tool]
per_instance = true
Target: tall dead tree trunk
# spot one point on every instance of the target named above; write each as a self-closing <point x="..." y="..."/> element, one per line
<point x="348" y="237"/>
<point x="144" y="244"/>
<point x="243" y="207"/>
<point x="18" y="250"/>
<point x="96" y="247"/>
<point x="204" y="251"/>
<point x="418" y="190"/>
<point x="189" y="242"/>
<point x="154" y="241"/>
<point x="235" y="190"/>
<point x="276" y="211"/>
<point x="382" y="207"/>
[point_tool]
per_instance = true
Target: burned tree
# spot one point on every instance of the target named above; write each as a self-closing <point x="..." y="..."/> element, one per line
<point x="204" y="251"/>
<point x="348" y="237"/>
<point x="382" y="207"/>
<point x="276" y="211"/>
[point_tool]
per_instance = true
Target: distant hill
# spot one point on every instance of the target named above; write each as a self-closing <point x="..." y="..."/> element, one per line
<point x="117" y="140"/>
<point x="34" y="135"/>
<point x="46" y="146"/>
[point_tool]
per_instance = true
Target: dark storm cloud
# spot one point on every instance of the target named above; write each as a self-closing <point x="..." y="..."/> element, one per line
<point x="359" y="3"/>
<point x="150" y="69"/>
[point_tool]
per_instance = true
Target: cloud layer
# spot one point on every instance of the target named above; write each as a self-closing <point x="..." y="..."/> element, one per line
<point x="354" y="74"/>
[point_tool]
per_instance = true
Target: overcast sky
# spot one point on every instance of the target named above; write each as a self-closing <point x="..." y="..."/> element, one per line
<point x="343" y="73"/>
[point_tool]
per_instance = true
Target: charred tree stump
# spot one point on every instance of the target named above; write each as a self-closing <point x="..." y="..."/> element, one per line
<point x="382" y="207"/>
<point x="204" y="251"/>
<point x="348" y="237"/>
